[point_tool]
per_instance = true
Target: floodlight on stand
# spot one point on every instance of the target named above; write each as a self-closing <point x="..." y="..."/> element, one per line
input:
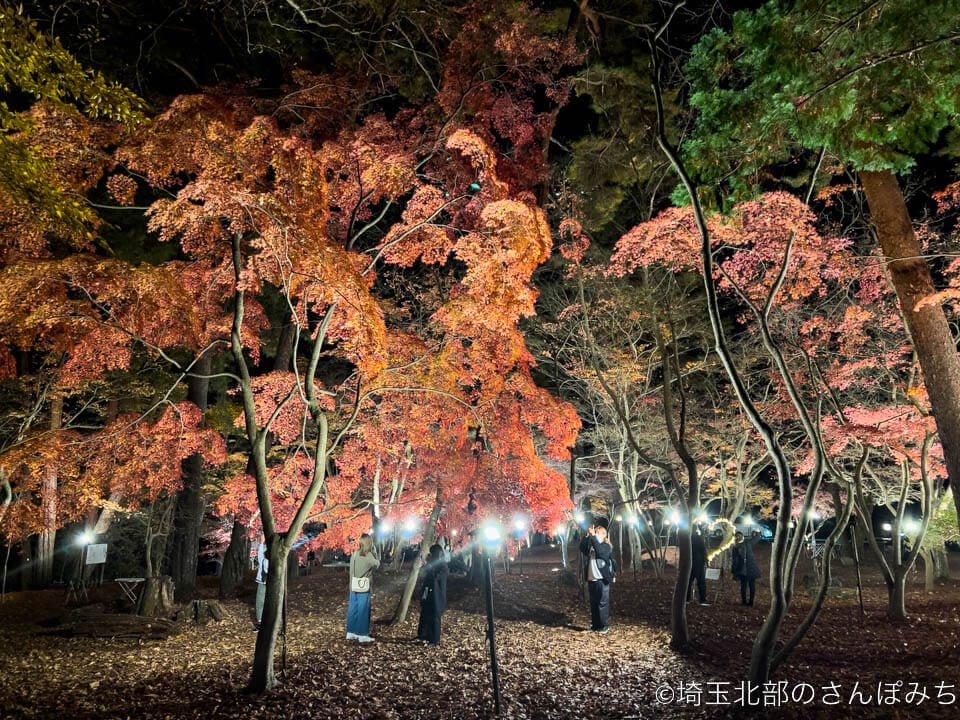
<point x="85" y="538"/>
<point x="886" y="527"/>
<point x="911" y="527"/>
<point x="453" y="533"/>
<point x="491" y="534"/>
<point x="519" y="523"/>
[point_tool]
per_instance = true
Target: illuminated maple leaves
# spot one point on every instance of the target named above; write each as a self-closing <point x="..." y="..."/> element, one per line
<point x="130" y="462"/>
<point x="299" y="216"/>
<point x="833" y="316"/>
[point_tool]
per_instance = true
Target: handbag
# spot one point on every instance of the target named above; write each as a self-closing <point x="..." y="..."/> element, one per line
<point x="359" y="584"/>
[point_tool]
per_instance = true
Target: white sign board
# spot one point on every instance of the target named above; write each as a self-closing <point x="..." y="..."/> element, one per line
<point x="97" y="554"/>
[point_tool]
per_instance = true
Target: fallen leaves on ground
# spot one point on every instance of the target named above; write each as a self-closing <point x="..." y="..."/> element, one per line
<point x="550" y="665"/>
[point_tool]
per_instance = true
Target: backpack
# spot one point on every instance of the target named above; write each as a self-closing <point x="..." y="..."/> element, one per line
<point x="608" y="570"/>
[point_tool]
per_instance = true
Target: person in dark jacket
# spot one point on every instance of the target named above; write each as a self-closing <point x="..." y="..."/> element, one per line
<point x="698" y="568"/>
<point x="598" y="562"/>
<point x="433" y="596"/>
<point x="744" y="566"/>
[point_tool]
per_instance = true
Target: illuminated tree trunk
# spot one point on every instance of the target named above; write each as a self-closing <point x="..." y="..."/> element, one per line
<point x="934" y="343"/>
<point x="43" y="570"/>
<point x="429" y="536"/>
<point x="190" y="502"/>
<point x="262" y="677"/>
<point x="897" y="594"/>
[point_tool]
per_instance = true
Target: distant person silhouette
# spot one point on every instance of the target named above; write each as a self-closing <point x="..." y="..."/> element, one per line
<point x="698" y="568"/>
<point x="744" y="567"/>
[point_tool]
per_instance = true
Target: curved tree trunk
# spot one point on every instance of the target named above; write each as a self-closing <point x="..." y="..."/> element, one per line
<point x="429" y="536"/>
<point x="928" y="328"/>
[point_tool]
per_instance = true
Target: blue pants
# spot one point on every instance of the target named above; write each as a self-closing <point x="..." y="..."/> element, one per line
<point x="261" y="596"/>
<point x="358" y="613"/>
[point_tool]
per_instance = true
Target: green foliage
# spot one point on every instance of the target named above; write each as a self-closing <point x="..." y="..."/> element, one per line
<point x="875" y="83"/>
<point x="37" y="68"/>
<point x="38" y="65"/>
<point x="612" y="165"/>
<point x="943" y="524"/>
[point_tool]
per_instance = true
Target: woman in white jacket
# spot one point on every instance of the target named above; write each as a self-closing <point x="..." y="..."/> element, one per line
<point x="362" y="564"/>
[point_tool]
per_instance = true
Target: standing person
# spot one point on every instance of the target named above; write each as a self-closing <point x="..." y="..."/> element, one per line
<point x="433" y="596"/>
<point x="598" y="559"/>
<point x="698" y="568"/>
<point x="362" y="564"/>
<point x="744" y="567"/>
<point x="263" y="564"/>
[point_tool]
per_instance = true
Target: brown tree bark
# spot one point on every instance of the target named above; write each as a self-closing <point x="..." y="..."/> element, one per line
<point x="234" y="561"/>
<point x="934" y="343"/>
<point x="190" y="502"/>
<point x="43" y="570"/>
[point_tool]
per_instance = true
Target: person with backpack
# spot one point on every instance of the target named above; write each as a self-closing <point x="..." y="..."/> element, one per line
<point x="600" y="573"/>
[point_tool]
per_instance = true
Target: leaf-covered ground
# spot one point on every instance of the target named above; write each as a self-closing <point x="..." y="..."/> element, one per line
<point x="551" y="666"/>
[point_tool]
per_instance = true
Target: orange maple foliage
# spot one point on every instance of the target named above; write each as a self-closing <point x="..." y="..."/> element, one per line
<point x="126" y="464"/>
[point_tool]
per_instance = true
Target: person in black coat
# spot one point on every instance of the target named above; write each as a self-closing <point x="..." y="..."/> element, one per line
<point x="744" y="567"/>
<point x="598" y="562"/>
<point x="433" y="596"/>
<point x="698" y="568"/>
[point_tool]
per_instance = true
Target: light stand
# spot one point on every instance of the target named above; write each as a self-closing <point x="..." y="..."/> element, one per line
<point x="491" y="539"/>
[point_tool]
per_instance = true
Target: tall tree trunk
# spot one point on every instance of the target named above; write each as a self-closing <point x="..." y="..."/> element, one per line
<point x="43" y="570"/>
<point x="234" y="561"/>
<point x="262" y="676"/>
<point x="932" y="339"/>
<point x="190" y="502"/>
<point x="941" y="565"/>
<point x="928" y="570"/>
<point x="237" y="555"/>
<point x="897" y="595"/>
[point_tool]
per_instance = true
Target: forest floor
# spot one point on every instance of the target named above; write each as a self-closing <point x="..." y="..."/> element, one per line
<point x="550" y="665"/>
